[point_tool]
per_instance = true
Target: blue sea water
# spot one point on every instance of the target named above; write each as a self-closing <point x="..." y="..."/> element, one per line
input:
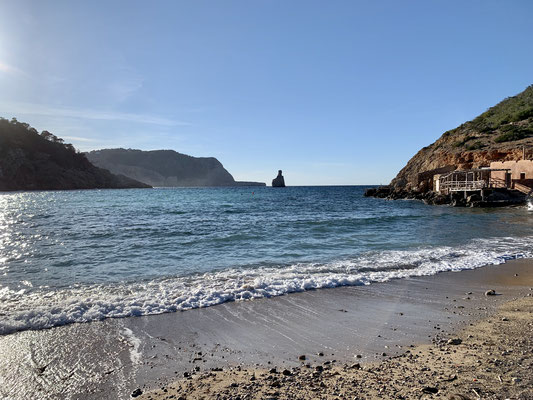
<point x="76" y="256"/>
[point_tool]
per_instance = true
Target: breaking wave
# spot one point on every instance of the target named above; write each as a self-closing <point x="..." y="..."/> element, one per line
<point x="31" y="308"/>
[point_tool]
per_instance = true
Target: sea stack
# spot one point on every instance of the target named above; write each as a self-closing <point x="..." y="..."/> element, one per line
<point x="278" y="181"/>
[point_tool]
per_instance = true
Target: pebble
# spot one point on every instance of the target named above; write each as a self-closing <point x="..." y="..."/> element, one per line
<point x="490" y="292"/>
<point x="454" y="342"/>
<point x="136" y="393"/>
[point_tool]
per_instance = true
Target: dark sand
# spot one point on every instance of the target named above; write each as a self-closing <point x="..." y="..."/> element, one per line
<point x="112" y="358"/>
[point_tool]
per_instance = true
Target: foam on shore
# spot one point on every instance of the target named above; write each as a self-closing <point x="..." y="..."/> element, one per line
<point x="40" y="308"/>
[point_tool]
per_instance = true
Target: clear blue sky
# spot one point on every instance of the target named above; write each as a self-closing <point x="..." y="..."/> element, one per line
<point x="332" y="92"/>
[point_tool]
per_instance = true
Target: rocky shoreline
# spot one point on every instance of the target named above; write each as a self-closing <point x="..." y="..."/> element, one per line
<point x="496" y="198"/>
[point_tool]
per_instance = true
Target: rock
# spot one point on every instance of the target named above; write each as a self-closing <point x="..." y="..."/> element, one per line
<point x="286" y="372"/>
<point x="472" y="198"/>
<point x="454" y="342"/>
<point x="430" y="390"/>
<point x="273" y="371"/>
<point x="490" y="292"/>
<point x="505" y="319"/>
<point x="278" y="181"/>
<point x="136" y="393"/>
<point x="356" y="366"/>
<point x="498" y="196"/>
<point x="302" y="357"/>
<point x="380" y="192"/>
<point x="319" y="368"/>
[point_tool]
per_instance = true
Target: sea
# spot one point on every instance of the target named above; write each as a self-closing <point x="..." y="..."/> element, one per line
<point x="79" y="256"/>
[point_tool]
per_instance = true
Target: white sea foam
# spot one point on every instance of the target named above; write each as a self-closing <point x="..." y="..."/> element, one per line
<point x="134" y="343"/>
<point x="38" y="309"/>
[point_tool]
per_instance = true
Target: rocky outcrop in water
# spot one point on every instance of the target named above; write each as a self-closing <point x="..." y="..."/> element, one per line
<point x="493" y="198"/>
<point x="166" y="168"/>
<point x="278" y="181"/>
<point x="30" y="160"/>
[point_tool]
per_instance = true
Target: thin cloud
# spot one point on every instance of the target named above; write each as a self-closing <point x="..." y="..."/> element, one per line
<point x="10" y="69"/>
<point x="90" y="114"/>
<point x="79" y="139"/>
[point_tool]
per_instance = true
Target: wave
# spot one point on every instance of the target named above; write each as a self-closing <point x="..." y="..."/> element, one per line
<point x="40" y="308"/>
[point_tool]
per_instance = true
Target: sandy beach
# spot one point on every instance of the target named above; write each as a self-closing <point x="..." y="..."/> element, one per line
<point x="357" y="342"/>
<point x="488" y="359"/>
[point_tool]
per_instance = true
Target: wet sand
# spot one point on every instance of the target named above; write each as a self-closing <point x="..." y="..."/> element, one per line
<point x="491" y="359"/>
<point x="111" y="359"/>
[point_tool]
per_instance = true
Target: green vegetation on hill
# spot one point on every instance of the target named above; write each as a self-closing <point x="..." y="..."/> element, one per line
<point x="508" y="121"/>
<point x="498" y="134"/>
<point x="30" y="160"/>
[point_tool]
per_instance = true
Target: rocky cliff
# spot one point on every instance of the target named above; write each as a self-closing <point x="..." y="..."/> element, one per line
<point x="165" y="168"/>
<point x="30" y="160"/>
<point x="499" y="134"/>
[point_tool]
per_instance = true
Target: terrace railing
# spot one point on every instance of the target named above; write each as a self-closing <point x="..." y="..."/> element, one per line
<point x="456" y="186"/>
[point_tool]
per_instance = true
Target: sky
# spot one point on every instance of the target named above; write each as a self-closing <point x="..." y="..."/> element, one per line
<point x="332" y="92"/>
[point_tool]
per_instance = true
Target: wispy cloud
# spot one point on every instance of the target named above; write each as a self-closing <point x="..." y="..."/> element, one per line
<point x="10" y="69"/>
<point x="90" y="114"/>
<point x="79" y="139"/>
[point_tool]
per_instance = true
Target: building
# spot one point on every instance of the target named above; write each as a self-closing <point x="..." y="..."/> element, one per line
<point x="470" y="180"/>
<point x="519" y="174"/>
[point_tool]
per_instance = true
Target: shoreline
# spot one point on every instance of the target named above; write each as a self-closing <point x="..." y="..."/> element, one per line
<point x="489" y="359"/>
<point x="114" y="357"/>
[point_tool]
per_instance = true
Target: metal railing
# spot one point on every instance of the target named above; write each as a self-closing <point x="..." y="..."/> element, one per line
<point x="456" y="186"/>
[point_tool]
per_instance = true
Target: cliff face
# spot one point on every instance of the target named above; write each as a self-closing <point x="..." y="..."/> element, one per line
<point x="499" y="134"/>
<point x="165" y="168"/>
<point x="30" y="160"/>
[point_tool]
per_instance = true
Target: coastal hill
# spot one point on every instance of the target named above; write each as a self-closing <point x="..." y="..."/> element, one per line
<point x="499" y="134"/>
<point x="30" y="160"/>
<point x="165" y="168"/>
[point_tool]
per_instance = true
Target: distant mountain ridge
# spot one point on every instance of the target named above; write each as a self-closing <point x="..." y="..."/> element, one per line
<point x="30" y="160"/>
<point x="499" y="134"/>
<point x="165" y="168"/>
